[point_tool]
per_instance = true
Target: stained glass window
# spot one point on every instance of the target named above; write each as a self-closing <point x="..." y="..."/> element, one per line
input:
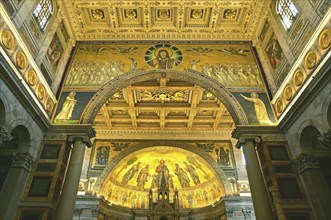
<point x="287" y="12"/>
<point x="43" y="13"/>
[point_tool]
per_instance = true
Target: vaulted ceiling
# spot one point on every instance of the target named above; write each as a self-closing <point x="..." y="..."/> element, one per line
<point x="180" y="19"/>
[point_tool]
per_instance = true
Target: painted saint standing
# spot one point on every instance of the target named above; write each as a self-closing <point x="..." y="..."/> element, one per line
<point x="260" y="109"/>
<point x="67" y="108"/>
<point x="193" y="173"/>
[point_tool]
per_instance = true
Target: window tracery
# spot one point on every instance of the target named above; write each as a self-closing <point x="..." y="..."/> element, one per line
<point x="43" y="12"/>
<point x="287" y="12"/>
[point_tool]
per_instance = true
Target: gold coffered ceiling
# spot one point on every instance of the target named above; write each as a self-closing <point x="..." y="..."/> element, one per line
<point x="143" y="19"/>
<point x="163" y="104"/>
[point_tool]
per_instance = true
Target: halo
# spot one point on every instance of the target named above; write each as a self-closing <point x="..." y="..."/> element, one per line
<point x="170" y="52"/>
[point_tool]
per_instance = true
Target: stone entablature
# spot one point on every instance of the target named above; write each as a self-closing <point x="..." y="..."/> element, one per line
<point x="164" y="135"/>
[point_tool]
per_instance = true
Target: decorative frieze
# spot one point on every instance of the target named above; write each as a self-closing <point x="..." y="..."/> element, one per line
<point x="304" y="69"/>
<point x="305" y="162"/>
<point x="24" y="160"/>
<point x="14" y="50"/>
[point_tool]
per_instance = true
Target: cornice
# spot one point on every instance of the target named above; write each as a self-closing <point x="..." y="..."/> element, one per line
<point x="23" y="94"/>
<point x="267" y="133"/>
<point x="71" y="132"/>
<point x="163" y="135"/>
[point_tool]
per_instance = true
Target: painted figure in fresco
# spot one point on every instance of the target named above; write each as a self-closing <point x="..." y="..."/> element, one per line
<point x="142" y="177"/>
<point x="161" y="170"/>
<point x="193" y="173"/>
<point x="182" y="176"/>
<point x="260" y="109"/>
<point x="163" y="60"/>
<point x="67" y="108"/>
<point x="223" y="157"/>
<point x="194" y="64"/>
<point x="102" y="155"/>
<point x="54" y="52"/>
<point x="189" y="199"/>
<point x="274" y="52"/>
<point x="131" y="173"/>
<point x="133" y="64"/>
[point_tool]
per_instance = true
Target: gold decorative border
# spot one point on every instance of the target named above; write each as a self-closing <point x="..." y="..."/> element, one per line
<point x="308" y="63"/>
<point x="17" y="53"/>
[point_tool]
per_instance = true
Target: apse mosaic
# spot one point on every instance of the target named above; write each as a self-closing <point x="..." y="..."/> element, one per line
<point x="130" y="181"/>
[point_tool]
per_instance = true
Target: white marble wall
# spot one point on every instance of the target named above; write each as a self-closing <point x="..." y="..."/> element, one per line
<point x="16" y="114"/>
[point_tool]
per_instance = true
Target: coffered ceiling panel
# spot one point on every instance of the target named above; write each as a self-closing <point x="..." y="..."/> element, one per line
<point x="144" y="19"/>
<point x="154" y="105"/>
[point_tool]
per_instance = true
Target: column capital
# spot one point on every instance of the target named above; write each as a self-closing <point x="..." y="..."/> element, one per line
<point x="23" y="160"/>
<point x="305" y="162"/>
<point x="85" y="139"/>
<point x="243" y="140"/>
<point x="4" y="136"/>
<point x="71" y="132"/>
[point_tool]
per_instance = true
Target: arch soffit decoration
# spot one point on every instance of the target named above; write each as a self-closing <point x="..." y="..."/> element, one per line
<point x="220" y="173"/>
<point x="219" y="91"/>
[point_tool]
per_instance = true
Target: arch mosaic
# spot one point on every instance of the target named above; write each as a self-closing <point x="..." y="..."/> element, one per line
<point x="116" y="160"/>
<point x="200" y="79"/>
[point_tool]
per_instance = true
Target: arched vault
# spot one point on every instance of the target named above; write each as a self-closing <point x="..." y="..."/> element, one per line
<point x="197" y="78"/>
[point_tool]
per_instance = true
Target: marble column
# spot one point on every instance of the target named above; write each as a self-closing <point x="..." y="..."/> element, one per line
<point x="259" y="193"/>
<point x="316" y="186"/>
<point x="14" y="184"/>
<point x="67" y="201"/>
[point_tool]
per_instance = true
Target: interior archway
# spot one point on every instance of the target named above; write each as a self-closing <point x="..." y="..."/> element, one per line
<point x="20" y="141"/>
<point x="194" y="77"/>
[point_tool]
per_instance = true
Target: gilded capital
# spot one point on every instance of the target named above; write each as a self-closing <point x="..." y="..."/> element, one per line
<point x="305" y="162"/>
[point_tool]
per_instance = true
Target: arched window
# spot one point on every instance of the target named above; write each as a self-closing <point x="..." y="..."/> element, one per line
<point x="287" y="12"/>
<point x="43" y="13"/>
